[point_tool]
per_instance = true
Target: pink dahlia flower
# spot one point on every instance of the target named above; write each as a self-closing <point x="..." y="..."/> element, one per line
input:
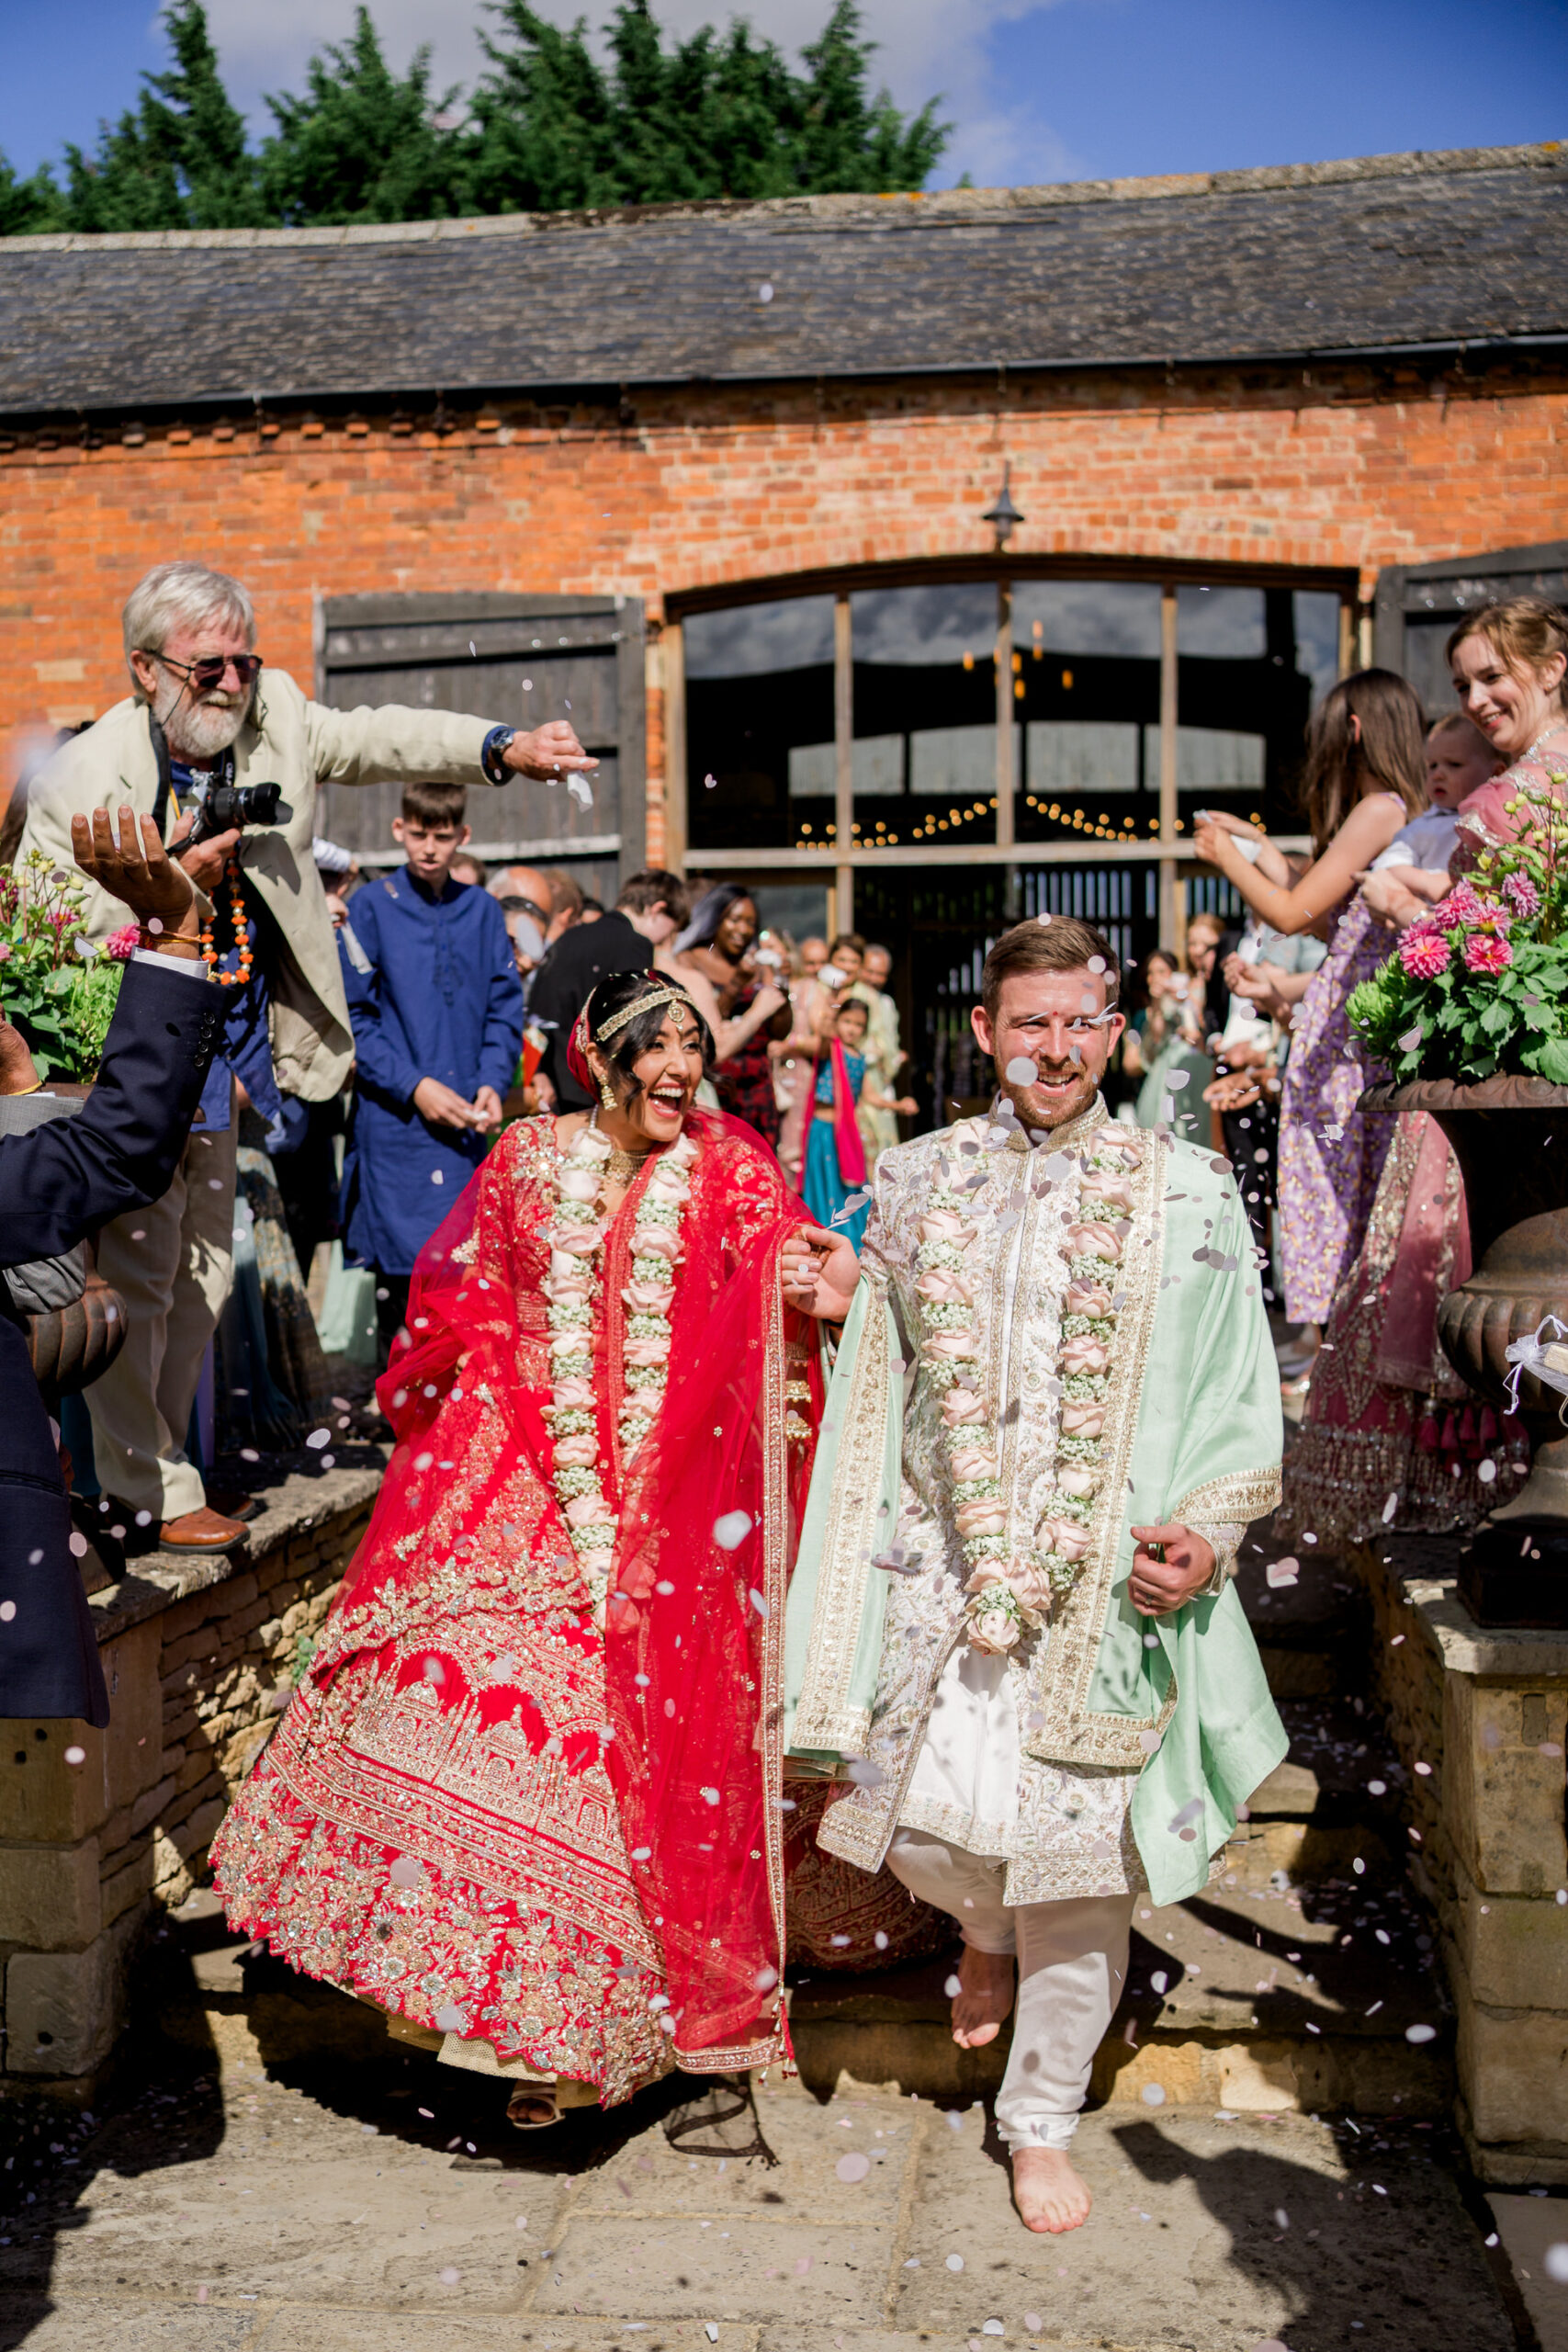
<point x="1425" y="953"/>
<point x="121" y="944"/>
<point x="1522" y="894"/>
<point x="1462" y="905"/>
<point x="1487" y="951"/>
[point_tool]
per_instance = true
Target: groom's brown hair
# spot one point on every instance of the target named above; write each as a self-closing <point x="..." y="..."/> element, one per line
<point x="1047" y="944"/>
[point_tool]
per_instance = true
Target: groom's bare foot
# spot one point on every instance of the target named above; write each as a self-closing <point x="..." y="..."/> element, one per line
<point x="983" y="1998"/>
<point x="1048" y="2193"/>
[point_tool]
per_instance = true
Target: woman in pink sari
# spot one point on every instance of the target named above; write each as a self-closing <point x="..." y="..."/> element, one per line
<point x="529" y="1798"/>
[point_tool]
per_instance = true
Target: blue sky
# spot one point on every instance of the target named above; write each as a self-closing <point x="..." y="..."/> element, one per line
<point x="1075" y="88"/>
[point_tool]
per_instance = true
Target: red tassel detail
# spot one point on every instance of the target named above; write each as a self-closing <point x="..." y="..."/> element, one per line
<point x="1450" y="1434"/>
<point x="1487" y="1426"/>
<point x="1426" y="1434"/>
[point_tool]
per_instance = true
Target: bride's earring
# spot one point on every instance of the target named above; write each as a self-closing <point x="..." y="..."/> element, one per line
<point x="606" y="1094"/>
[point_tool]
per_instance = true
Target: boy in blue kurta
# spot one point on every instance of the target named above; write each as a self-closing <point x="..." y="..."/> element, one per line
<point x="436" y="1007"/>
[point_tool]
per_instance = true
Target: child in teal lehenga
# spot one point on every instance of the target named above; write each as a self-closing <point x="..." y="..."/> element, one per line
<point x="835" y="1158"/>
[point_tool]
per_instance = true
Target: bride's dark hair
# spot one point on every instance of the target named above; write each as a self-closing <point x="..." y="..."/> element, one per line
<point x="623" y="1051"/>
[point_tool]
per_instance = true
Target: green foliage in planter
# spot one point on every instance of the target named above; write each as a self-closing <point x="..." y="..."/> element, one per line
<point x="1480" y="984"/>
<point x="56" y="985"/>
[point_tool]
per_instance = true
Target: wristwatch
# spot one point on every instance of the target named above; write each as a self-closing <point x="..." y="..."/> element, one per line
<point x="490" y="757"/>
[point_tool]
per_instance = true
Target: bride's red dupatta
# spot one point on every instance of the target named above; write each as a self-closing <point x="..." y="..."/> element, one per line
<point x="694" y="1642"/>
<point x="694" y="1645"/>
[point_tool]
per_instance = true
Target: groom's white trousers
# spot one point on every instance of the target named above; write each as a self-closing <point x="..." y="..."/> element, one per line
<point x="1072" y="1963"/>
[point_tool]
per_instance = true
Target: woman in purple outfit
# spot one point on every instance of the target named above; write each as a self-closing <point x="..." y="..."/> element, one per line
<point x="1365" y="779"/>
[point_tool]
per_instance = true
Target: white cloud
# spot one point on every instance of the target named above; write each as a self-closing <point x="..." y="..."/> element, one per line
<point x="927" y="47"/>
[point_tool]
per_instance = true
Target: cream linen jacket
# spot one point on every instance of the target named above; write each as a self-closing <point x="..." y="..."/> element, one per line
<point x="298" y="744"/>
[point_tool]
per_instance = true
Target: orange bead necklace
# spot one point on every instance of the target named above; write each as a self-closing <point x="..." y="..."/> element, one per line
<point x="235" y="980"/>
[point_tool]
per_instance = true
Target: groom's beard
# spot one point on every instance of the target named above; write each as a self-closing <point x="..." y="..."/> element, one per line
<point x="199" y="726"/>
<point x="1054" y="1111"/>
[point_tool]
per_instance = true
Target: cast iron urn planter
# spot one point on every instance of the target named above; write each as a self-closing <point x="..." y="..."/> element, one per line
<point x="1510" y="1138"/>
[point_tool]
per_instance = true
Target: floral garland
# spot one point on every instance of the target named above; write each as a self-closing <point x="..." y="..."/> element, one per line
<point x="1012" y="1596"/>
<point x="575" y="1237"/>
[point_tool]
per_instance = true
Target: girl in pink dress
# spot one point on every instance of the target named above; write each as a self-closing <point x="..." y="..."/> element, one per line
<point x="1365" y="778"/>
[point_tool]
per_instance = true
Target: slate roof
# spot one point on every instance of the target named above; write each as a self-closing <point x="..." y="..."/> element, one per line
<point x="1374" y="255"/>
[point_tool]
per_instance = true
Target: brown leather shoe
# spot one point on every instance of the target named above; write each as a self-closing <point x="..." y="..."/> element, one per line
<point x="201" y="1531"/>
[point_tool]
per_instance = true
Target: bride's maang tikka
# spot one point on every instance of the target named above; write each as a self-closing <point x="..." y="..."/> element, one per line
<point x="642" y="1004"/>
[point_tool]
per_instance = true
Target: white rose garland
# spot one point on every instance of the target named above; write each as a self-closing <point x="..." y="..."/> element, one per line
<point x="1012" y="1596"/>
<point x="575" y="1237"/>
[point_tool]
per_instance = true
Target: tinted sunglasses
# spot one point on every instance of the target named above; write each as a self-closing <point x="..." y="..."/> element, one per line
<point x="205" y="675"/>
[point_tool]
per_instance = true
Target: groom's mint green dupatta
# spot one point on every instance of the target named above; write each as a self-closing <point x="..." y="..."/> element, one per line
<point x="1193" y="1433"/>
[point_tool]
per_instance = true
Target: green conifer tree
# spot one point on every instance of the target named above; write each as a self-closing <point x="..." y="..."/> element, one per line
<point x="362" y="143"/>
<point x="29" y="208"/>
<point x="713" y="116"/>
<point x="709" y="116"/>
<point x="177" y="161"/>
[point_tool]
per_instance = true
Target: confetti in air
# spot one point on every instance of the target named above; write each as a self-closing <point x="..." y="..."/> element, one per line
<point x="1020" y="1071"/>
<point x="731" y="1530"/>
<point x="856" y="1201"/>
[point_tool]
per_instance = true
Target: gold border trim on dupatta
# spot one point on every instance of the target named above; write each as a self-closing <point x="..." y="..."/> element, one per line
<point x="738" y="2057"/>
<point x="1066" y="1731"/>
<point x="824" y="1718"/>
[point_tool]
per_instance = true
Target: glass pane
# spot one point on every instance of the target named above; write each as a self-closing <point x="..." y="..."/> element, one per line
<point x="1223" y="624"/>
<point x="1085" y="689"/>
<point x="1317" y="639"/>
<point x="925" y="701"/>
<point x="1243" y="698"/>
<point x="759" y="715"/>
<point x="1097" y="616"/>
<point x="748" y="641"/>
<point x="920" y="628"/>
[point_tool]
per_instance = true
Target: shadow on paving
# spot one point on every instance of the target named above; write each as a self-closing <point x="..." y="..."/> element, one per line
<point x="1377" y="2252"/>
<point x="169" y="2107"/>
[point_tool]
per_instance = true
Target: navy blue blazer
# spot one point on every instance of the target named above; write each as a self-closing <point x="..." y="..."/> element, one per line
<point x="58" y="1184"/>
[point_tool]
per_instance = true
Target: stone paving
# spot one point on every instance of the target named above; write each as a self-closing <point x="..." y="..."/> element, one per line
<point x="313" y="2208"/>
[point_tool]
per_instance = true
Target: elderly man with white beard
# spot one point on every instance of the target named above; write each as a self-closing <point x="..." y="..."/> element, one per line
<point x="1011" y="1625"/>
<point x="203" y="716"/>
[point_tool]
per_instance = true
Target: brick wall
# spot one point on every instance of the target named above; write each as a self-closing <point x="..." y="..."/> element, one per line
<point x="199" y="1655"/>
<point x="1342" y="470"/>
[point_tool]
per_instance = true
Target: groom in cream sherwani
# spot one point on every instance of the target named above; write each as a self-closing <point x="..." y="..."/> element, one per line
<point x="1055" y="1411"/>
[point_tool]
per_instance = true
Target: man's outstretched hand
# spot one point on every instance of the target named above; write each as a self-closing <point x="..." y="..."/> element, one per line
<point x="138" y="870"/>
<point x="1159" y="1585"/>
<point x="548" y="751"/>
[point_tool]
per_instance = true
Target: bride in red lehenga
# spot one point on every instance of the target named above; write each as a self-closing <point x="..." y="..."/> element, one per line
<point x="529" y="1794"/>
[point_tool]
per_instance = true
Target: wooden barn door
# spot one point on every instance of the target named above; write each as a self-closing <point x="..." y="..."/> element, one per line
<point x="1418" y="603"/>
<point x="517" y="660"/>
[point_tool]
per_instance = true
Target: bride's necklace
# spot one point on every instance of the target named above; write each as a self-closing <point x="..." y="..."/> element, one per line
<point x="624" y="1167"/>
<point x="576" y="1238"/>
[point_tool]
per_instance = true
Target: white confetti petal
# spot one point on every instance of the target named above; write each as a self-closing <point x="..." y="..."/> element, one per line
<point x="731" y="1529"/>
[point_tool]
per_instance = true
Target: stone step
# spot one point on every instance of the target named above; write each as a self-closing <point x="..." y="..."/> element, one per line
<point x="1293" y="1982"/>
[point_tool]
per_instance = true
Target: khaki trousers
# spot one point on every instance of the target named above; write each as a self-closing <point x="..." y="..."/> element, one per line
<point x="174" y="1282"/>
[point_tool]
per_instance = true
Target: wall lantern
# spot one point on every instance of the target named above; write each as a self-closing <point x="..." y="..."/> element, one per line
<point x="1004" y="516"/>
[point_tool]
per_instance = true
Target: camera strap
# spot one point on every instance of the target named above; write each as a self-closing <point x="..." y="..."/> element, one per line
<point x="165" y="781"/>
<point x="223" y="772"/>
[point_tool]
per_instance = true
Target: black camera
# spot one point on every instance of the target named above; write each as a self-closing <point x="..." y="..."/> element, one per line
<point x="227" y="806"/>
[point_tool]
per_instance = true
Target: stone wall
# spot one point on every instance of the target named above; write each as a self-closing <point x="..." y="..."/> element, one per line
<point x="1486" y="1709"/>
<point x="100" y="1830"/>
